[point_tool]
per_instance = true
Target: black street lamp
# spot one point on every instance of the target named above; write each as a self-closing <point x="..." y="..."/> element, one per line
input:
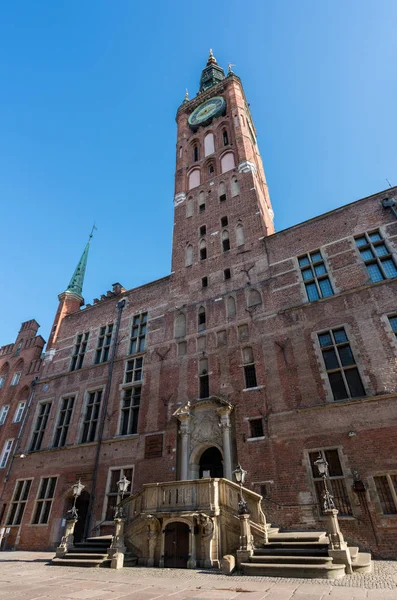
<point x="322" y="467"/>
<point x="122" y="486"/>
<point x="77" y="489"/>
<point x="239" y="474"/>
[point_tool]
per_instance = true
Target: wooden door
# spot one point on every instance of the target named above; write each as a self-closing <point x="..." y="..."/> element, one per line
<point x="176" y="545"/>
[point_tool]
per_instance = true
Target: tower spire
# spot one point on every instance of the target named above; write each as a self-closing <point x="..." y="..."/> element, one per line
<point x="212" y="74"/>
<point x="76" y="283"/>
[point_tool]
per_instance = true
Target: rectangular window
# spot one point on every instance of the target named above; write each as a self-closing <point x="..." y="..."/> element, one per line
<point x="3" y="413"/>
<point x="203" y="230"/>
<point x="91" y="417"/>
<point x="44" y="501"/>
<point x="227" y="274"/>
<point x="133" y="370"/>
<point x="19" y="412"/>
<point x="204" y="282"/>
<point x="6" y="453"/>
<point x="376" y="256"/>
<point x="15" y="378"/>
<point x="79" y="351"/>
<point x="315" y="276"/>
<point x="104" y="342"/>
<point x="65" y="416"/>
<point x="386" y="487"/>
<point x="335" y="482"/>
<point x="204" y="379"/>
<point x="340" y="364"/>
<point x="393" y="324"/>
<point x="249" y="368"/>
<point x="18" y="502"/>
<point x="256" y="428"/>
<point x="112" y="496"/>
<point x="130" y="410"/>
<point x="2" y="381"/>
<point x="138" y="333"/>
<point x="41" y="424"/>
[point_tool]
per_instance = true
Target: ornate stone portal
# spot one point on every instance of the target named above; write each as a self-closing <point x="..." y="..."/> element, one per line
<point x="204" y="424"/>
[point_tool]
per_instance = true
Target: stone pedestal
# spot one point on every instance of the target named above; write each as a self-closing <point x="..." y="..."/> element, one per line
<point x="117" y="549"/>
<point x="67" y="539"/>
<point x="337" y="548"/>
<point x="246" y="540"/>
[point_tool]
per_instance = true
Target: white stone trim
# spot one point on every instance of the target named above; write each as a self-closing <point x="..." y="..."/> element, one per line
<point x="179" y="198"/>
<point x="247" y="167"/>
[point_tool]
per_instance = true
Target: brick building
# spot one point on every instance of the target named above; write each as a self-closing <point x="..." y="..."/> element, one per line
<point x="261" y="348"/>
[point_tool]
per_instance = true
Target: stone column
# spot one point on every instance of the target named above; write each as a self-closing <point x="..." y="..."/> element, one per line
<point x="117" y="549"/>
<point x="184" y="430"/>
<point x="207" y="533"/>
<point x="67" y="539"/>
<point x="337" y="547"/>
<point x="246" y="540"/>
<point x="224" y="414"/>
<point x="191" y="563"/>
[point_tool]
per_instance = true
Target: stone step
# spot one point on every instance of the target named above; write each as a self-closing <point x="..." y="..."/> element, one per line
<point x="69" y="562"/>
<point x="299" y="536"/>
<point x="292" y="550"/>
<point x="286" y="559"/>
<point x="305" y="571"/>
<point x="89" y="549"/>
<point x="104" y="539"/>
<point x="86" y="556"/>
<point x="362" y="563"/>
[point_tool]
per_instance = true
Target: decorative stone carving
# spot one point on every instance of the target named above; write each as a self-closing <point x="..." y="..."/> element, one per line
<point x="154" y="529"/>
<point x="179" y="198"/>
<point x="247" y="167"/>
<point x="67" y="539"/>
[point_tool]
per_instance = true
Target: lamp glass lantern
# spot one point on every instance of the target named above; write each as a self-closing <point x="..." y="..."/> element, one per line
<point x="322" y="466"/>
<point x="123" y="485"/>
<point x="77" y="488"/>
<point x="239" y="474"/>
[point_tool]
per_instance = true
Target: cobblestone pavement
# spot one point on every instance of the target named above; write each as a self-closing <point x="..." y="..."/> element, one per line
<point x="29" y="576"/>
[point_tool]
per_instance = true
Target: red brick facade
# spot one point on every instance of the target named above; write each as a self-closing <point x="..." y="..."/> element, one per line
<point x="260" y="318"/>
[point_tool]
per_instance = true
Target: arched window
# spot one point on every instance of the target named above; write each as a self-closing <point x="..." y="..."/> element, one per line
<point x="189" y="255"/>
<point x="203" y="250"/>
<point x="225" y="240"/>
<point x="225" y="138"/>
<point x="211" y="169"/>
<point x="235" y="187"/>
<point x="227" y="162"/>
<point x="201" y="319"/>
<point x="209" y="147"/>
<point x="189" y="207"/>
<point x="222" y="191"/>
<point x="4" y="374"/>
<point x="194" y="178"/>
<point x="254" y="298"/>
<point x="195" y="153"/>
<point x="19" y="348"/>
<point x="231" y="306"/>
<point x="240" y="239"/>
<point x="180" y="325"/>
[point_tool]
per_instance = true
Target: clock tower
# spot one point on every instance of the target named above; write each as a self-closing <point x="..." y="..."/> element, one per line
<point x="222" y="204"/>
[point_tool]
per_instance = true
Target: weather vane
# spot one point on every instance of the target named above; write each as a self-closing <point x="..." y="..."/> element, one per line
<point x="229" y="67"/>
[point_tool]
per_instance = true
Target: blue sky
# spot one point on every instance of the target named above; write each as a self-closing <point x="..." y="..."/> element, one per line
<point x="89" y="93"/>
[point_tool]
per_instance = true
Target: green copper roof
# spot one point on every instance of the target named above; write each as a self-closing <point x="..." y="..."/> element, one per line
<point x="212" y="74"/>
<point x="76" y="283"/>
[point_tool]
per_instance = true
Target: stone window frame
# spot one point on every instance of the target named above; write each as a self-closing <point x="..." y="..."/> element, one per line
<point x="79" y="351"/>
<point x="316" y="277"/>
<point x="135" y="391"/>
<point x="18" y="502"/>
<point x="21" y="409"/>
<point x="251" y="438"/>
<point x="43" y="501"/>
<point x="104" y="344"/>
<point x="390" y="332"/>
<point x="347" y="476"/>
<point x="15" y="378"/>
<point x="359" y="361"/>
<point x="375" y="494"/>
<point x="141" y="320"/>
<point x="376" y="259"/>
<point x="6" y="452"/>
<point x="57" y="425"/>
<point x="108" y="482"/>
<point x="83" y="419"/>
<point x="37" y="427"/>
<point x="5" y="409"/>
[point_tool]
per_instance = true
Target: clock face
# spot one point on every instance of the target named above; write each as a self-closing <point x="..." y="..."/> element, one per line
<point x="207" y="111"/>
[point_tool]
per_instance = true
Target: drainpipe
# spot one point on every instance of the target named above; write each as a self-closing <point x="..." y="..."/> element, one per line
<point x="88" y="523"/>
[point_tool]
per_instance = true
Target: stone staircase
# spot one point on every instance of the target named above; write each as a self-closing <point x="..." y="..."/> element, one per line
<point x="302" y="555"/>
<point x="91" y="553"/>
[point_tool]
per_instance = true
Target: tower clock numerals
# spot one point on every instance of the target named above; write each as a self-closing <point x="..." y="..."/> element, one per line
<point x="207" y="111"/>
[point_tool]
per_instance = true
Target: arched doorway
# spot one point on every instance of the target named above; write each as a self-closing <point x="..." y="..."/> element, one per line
<point x="176" y="545"/>
<point x="211" y="463"/>
<point x="82" y="504"/>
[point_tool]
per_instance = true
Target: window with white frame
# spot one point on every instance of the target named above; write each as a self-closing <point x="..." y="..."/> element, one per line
<point x="6" y="453"/>
<point x="315" y="276"/>
<point x="340" y="364"/>
<point x="40" y="426"/>
<point x="3" y="413"/>
<point x="112" y="496"/>
<point x="386" y="488"/>
<point x="19" y="412"/>
<point x="15" y="378"/>
<point x="91" y="417"/>
<point x="65" y="416"/>
<point x="44" y="500"/>
<point x="138" y="333"/>
<point x="104" y="342"/>
<point x="79" y="351"/>
<point x="18" y="502"/>
<point x="336" y="481"/>
<point x="376" y="256"/>
<point x="2" y="381"/>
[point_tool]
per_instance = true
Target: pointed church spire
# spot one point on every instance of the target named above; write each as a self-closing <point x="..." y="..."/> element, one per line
<point x="212" y="74"/>
<point x="76" y="283"/>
